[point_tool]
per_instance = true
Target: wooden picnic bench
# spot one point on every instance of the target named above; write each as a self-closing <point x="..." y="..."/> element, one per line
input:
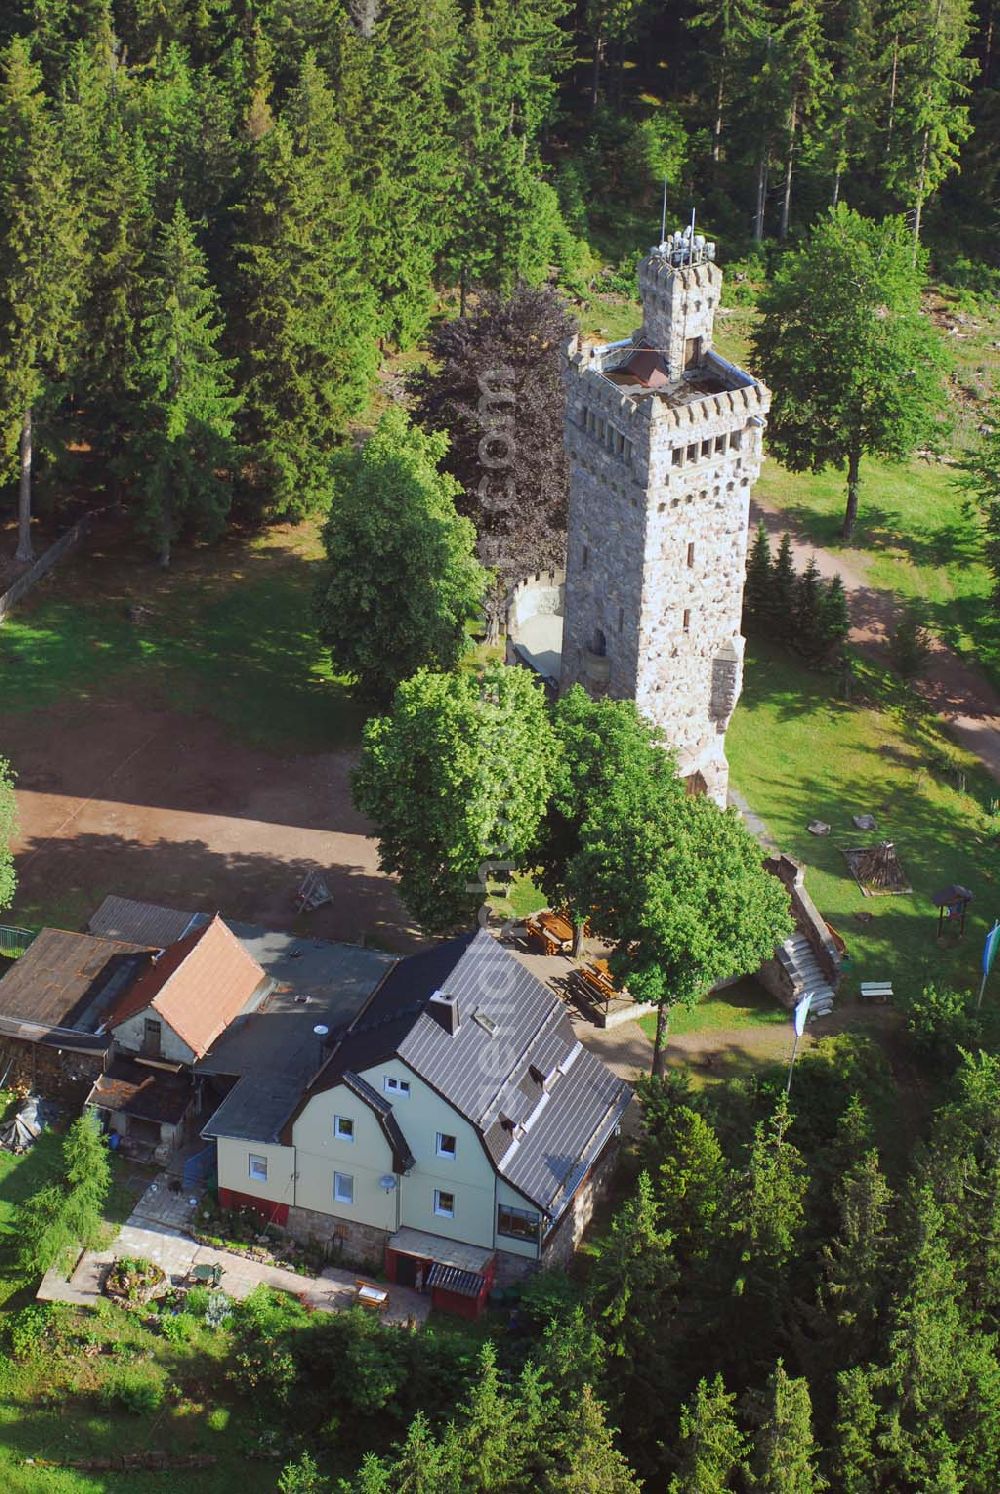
<point x="593" y="981"/>
<point x="550" y="931"/>
<point x="879" y="991"/>
<point x="373" y="1297"/>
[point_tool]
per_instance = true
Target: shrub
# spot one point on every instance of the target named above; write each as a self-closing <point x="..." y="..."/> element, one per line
<point x="218" y="1310"/>
<point x="197" y="1301"/>
<point x="302" y="1477"/>
<point x="940" y="1022"/>
<point x="177" y="1327"/>
<point x="217" y="1419"/>
<point x="28" y="1330"/>
<point x="910" y="644"/>
<point x="134" y="1390"/>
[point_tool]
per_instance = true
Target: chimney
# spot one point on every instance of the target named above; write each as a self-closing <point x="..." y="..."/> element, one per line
<point x="444" y="1009"/>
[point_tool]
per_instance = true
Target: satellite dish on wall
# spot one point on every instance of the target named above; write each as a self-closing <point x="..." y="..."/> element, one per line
<point x="387" y="1181"/>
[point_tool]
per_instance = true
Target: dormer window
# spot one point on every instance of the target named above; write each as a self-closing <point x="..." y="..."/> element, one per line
<point x="394" y="1086"/>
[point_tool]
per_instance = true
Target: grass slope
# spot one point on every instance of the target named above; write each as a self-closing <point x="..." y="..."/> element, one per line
<point x="228" y="632"/>
<point x="798" y="754"/>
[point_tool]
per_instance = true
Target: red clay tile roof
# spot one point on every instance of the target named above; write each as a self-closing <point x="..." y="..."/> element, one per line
<point x="197" y="985"/>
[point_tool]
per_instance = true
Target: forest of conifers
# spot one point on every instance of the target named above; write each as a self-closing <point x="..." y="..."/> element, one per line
<point x="217" y="215"/>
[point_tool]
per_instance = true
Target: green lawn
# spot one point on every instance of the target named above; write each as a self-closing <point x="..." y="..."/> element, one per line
<point x="228" y="633"/>
<point x="799" y="754"/>
<point x="913" y="538"/>
<point x="743" y="1005"/>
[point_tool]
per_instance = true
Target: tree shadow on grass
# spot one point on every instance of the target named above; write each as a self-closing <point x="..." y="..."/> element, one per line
<point x="235" y="641"/>
<point x="190" y="876"/>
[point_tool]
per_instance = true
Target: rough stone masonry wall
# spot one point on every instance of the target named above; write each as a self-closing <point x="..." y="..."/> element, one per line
<point x="678" y="305"/>
<point x="633" y="516"/>
<point x="360" y="1243"/>
<point x="606" y="532"/>
<point x="690" y="646"/>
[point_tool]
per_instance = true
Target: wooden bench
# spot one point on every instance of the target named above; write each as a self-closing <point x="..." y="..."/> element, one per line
<point x="373" y="1297"/>
<point x="551" y="932"/>
<point x="876" y="990"/>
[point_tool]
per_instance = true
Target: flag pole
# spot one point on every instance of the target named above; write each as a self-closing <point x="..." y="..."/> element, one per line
<point x="795" y="1048"/>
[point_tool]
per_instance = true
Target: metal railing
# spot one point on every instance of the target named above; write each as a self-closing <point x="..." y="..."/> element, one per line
<point x="14" y="941"/>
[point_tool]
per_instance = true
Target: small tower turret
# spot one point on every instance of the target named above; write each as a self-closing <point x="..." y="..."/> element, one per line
<point x="680" y="286"/>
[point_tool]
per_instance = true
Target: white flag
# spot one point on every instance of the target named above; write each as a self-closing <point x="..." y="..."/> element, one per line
<point x="801" y="1013"/>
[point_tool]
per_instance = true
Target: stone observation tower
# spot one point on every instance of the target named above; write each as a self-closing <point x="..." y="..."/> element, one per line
<point x="664" y="442"/>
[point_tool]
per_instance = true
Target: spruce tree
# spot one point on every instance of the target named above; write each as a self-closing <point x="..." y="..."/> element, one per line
<point x="805" y="81"/>
<point x="586" y="1458"/>
<point x="305" y="323"/>
<point x="784" y="1458"/>
<point x="931" y="116"/>
<point x="834" y="618"/>
<point x="851" y="122"/>
<point x="40" y="262"/>
<point x="180" y="460"/>
<point x="757" y="592"/>
<point x="807" y="612"/>
<point x="854" y="1282"/>
<point x="507" y="219"/>
<point x="712" y="1448"/>
<point x="633" y="1280"/>
<point x="780" y="606"/>
<point x="691" y="1182"/>
<point x="395" y="75"/>
<point x="856" y="1456"/>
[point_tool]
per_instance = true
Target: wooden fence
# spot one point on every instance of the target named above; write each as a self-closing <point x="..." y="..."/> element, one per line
<point x="41" y="567"/>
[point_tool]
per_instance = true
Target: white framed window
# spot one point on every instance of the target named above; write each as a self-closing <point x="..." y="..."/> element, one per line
<point x="343" y="1188"/>
<point x="343" y="1128"/>
<point x="446" y="1145"/>
<point x="257" y="1168"/>
<point x="444" y="1203"/>
<point x="394" y="1086"/>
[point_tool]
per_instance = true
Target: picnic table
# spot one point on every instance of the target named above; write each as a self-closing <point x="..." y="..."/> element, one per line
<point x="594" y="980"/>
<point x="550" y="931"/>
<point x="373" y="1297"/>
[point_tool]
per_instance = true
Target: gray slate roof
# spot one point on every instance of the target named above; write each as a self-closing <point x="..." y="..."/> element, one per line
<point x="543" y="1105"/>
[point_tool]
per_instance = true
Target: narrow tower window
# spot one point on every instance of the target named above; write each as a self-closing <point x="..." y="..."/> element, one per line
<point x="691" y="554"/>
<point x="585" y="558"/>
<point x="687" y="619"/>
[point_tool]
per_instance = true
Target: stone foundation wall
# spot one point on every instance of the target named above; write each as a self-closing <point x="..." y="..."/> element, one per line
<point x="808" y="919"/>
<point x="360" y="1243"/>
<point x="565" y="1239"/>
